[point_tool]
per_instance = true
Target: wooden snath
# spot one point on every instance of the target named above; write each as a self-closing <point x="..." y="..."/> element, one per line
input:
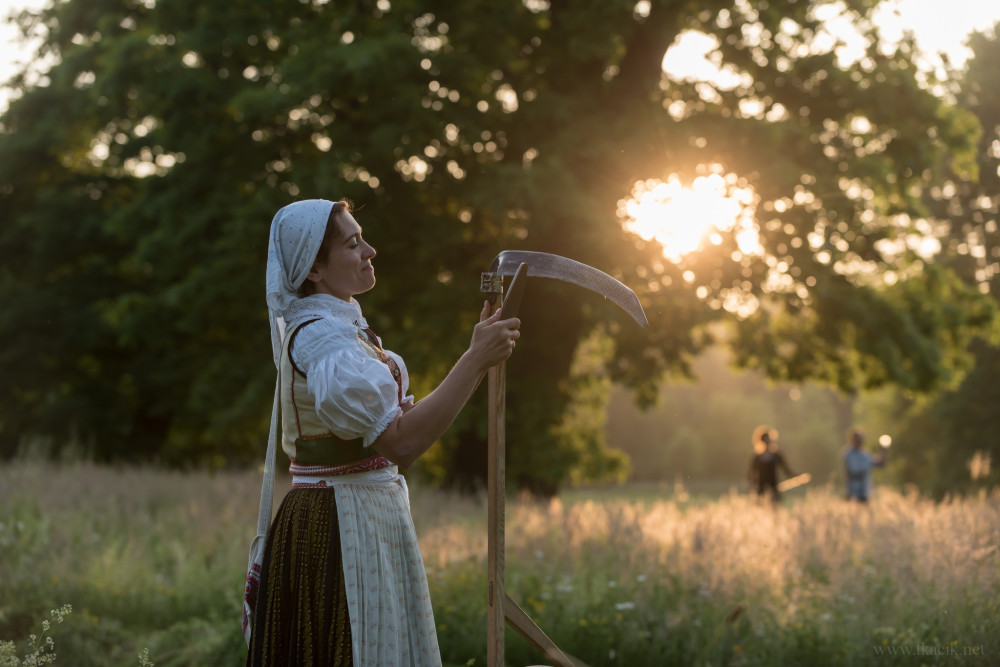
<point x="501" y="609"/>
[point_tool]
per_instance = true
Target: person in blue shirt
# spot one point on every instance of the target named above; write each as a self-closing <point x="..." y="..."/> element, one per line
<point x="858" y="465"/>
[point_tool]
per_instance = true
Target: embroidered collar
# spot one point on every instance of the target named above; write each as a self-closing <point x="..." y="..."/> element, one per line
<point x="324" y="305"/>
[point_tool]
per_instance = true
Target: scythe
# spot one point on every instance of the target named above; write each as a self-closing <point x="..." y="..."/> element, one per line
<point x="521" y="265"/>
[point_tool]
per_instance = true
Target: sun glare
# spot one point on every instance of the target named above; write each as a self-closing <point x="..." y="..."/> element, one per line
<point x="683" y="218"/>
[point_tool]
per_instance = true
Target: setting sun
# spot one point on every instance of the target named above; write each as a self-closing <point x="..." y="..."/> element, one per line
<point x="683" y="218"/>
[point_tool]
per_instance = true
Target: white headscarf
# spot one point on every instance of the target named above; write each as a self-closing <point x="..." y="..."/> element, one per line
<point x="296" y="233"/>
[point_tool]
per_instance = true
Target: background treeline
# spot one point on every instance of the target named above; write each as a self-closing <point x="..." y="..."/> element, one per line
<point x="699" y="432"/>
<point x="139" y="173"/>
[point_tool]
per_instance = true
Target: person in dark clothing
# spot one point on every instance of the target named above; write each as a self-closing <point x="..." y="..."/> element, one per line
<point x="765" y="462"/>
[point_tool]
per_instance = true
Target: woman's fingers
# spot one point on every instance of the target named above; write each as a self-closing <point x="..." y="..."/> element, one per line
<point x="485" y="314"/>
<point x="509" y="333"/>
<point x="490" y="319"/>
<point x="494" y="338"/>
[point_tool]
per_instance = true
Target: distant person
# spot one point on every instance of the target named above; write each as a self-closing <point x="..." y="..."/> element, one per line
<point x="765" y="462"/>
<point x="858" y="465"/>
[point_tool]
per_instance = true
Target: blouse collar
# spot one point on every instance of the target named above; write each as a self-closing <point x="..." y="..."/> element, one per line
<point x="350" y="310"/>
<point x="324" y="305"/>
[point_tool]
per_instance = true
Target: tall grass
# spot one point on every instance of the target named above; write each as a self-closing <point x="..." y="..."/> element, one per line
<point x="154" y="559"/>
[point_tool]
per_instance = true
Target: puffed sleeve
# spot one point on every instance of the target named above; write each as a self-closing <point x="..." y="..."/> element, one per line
<point x="405" y="376"/>
<point x="354" y="393"/>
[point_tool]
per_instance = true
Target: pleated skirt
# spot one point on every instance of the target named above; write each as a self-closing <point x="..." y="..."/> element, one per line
<point x="343" y="580"/>
<point x="302" y="614"/>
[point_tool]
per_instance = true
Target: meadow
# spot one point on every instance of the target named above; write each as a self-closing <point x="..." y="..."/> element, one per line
<point x="152" y="562"/>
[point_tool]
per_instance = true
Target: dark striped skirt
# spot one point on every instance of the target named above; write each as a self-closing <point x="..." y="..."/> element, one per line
<point x="301" y="617"/>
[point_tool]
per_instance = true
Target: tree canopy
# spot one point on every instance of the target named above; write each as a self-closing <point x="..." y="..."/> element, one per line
<point x="139" y="177"/>
<point x="946" y="442"/>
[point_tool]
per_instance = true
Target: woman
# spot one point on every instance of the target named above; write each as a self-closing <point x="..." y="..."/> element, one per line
<point x="342" y="579"/>
<point x="765" y="461"/>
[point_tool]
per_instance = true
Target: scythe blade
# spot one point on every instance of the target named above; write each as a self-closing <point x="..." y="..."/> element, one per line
<point x="556" y="267"/>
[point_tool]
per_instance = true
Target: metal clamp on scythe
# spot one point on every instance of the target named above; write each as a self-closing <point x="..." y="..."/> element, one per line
<point x="522" y="265"/>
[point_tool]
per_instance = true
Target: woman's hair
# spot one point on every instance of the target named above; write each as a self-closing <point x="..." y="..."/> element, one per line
<point x="764" y="438"/>
<point x="331" y="234"/>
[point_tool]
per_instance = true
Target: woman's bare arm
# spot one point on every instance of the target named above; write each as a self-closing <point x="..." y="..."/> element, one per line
<point x="416" y="429"/>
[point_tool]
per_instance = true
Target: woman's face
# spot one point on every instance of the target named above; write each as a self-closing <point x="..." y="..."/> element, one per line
<point x="347" y="269"/>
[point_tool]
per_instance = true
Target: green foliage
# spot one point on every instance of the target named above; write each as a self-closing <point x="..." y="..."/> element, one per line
<point x="40" y="649"/>
<point x="147" y="560"/>
<point x="137" y="182"/>
<point x="945" y="442"/>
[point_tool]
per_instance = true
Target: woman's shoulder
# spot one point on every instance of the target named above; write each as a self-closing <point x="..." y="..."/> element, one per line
<point x="322" y="335"/>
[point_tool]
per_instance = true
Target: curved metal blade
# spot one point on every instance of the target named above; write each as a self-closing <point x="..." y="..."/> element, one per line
<point x="545" y="265"/>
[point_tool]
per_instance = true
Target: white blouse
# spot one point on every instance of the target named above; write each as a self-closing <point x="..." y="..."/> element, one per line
<point x="392" y="619"/>
<point x="355" y="394"/>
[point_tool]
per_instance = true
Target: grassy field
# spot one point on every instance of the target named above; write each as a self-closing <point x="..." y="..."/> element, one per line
<point x="154" y="561"/>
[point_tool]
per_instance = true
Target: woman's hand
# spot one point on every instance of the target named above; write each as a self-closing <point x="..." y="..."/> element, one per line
<point x="493" y="339"/>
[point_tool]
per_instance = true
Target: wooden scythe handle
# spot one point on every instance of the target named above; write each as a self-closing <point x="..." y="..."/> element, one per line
<point x="520" y="621"/>
<point x="496" y="596"/>
<point x="500" y="608"/>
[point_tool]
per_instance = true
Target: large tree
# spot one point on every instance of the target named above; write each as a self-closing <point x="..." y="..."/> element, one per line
<point x="138" y="180"/>
<point x="946" y="442"/>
